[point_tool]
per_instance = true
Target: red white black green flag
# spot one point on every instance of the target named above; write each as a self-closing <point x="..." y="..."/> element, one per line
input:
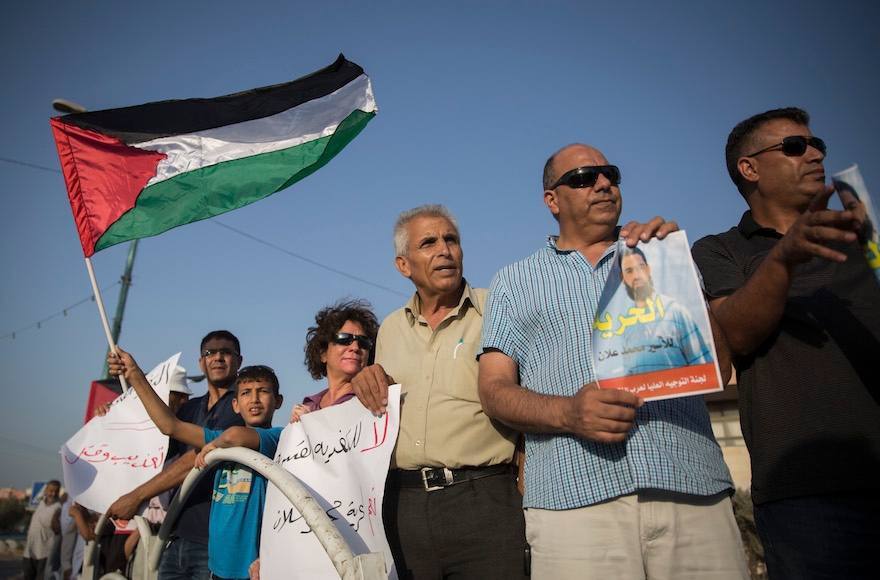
<point x="139" y="171"/>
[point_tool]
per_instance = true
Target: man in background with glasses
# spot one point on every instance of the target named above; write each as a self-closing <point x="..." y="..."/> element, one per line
<point x="452" y="507"/>
<point x="800" y="307"/>
<point x="186" y="556"/>
<point x="614" y="487"/>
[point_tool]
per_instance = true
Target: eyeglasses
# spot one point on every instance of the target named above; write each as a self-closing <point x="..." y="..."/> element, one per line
<point x="220" y="351"/>
<point x="346" y="338"/>
<point x="795" y="146"/>
<point x="588" y="175"/>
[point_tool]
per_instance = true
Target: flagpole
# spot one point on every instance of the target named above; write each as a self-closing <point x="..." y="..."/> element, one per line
<point x="104" y="316"/>
<point x="65" y="106"/>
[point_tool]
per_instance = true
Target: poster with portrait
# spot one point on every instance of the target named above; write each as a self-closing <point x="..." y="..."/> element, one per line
<point x="341" y="455"/>
<point x="651" y="334"/>
<point x="854" y="196"/>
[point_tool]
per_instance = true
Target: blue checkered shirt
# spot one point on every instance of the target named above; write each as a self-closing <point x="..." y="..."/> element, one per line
<point x="540" y="312"/>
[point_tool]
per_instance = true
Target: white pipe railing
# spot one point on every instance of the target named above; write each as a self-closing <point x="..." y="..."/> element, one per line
<point x="348" y="565"/>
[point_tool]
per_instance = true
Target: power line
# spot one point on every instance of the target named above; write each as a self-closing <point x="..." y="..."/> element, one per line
<point x="43" y="167"/>
<point x="304" y="259"/>
<point x="63" y="312"/>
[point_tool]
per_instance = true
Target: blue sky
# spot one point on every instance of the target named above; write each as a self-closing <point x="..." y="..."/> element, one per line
<point x="473" y="97"/>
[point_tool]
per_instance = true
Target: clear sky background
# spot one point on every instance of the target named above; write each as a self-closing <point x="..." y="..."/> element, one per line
<point x="473" y="97"/>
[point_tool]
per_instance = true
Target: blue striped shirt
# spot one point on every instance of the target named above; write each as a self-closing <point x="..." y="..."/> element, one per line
<point x="540" y="312"/>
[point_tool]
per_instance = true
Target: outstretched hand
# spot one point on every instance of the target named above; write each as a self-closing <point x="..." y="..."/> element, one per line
<point x="816" y="229"/>
<point x="603" y="415"/>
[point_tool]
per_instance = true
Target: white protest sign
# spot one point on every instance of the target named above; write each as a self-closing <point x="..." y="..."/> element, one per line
<point x="341" y="455"/>
<point x="113" y="454"/>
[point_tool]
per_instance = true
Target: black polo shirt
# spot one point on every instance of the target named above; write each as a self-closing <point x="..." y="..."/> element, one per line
<point x="809" y="395"/>
<point x="192" y="524"/>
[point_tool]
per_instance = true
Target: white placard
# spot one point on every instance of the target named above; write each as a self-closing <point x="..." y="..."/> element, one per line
<point x="341" y="455"/>
<point x="113" y="454"/>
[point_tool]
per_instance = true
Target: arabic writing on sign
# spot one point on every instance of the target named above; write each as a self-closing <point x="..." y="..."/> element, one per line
<point x="665" y="342"/>
<point x="323" y="449"/>
<point x="111" y="455"/>
<point x="354" y="514"/>
<point x="340" y="455"/>
<point x="652" y="311"/>
<point x="101" y="453"/>
<point x="671" y="384"/>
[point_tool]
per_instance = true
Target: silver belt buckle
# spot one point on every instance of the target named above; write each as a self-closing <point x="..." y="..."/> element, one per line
<point x="447" y="475"/>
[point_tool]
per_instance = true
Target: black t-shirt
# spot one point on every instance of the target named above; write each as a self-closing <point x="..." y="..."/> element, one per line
<point x="192" y="524"/>
<point x="809" y="395"/>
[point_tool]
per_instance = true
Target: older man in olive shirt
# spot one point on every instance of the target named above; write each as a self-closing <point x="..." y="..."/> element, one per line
<point x="451" y="504"/>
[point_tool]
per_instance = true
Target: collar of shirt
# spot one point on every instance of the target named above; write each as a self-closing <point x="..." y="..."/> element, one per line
<point x="413" y="308"/>
<point x="749" y="227"/>
<point x="553" y="239"/>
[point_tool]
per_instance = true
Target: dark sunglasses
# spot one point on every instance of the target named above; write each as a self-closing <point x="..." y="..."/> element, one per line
<point x="588" y="175"/>
<point x="795" y="146"/>
<point x="346" y="338"/>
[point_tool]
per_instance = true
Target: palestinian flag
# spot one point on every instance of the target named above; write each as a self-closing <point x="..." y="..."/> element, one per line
<point x="139" y="171"/>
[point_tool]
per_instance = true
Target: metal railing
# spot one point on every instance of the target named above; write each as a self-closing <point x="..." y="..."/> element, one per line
<point x="348" y="565"/>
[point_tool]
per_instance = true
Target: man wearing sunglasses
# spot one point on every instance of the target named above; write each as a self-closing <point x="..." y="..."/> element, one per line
<point x="801" y="310"/>
<point x="186" y="556"/>
<point x="614" y="487"/>
<point x="452" y="508"/>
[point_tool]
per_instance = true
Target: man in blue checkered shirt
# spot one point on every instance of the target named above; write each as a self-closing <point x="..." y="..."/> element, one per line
<point x="614" y="487"/>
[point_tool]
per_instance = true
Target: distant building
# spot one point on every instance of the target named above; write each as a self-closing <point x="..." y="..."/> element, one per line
<point x="724" y="414"/>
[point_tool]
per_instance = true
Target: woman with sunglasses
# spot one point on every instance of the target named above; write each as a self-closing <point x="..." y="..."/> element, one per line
<point x="339" y="345"/>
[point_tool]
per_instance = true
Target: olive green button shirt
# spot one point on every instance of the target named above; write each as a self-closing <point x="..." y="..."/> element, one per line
<point x="442" y="423"/>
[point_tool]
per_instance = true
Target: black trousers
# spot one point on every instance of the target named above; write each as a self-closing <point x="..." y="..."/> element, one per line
<point x="473" y="529"/>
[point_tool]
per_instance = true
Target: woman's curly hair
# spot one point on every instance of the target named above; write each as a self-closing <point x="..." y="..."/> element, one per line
<point x="328" y="322"/>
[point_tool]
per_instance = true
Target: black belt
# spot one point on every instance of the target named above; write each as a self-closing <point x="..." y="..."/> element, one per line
<point x="432" y="479"/>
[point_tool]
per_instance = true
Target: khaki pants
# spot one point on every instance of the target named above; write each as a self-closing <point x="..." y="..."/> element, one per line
<point x="650" y="535"/>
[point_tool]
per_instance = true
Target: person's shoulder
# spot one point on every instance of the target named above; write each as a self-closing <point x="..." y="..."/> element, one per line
<point x="525" y="267"/>
<point x="716" y="244"/>
<point x="194" y="401"/>
<point x="269" y="438"/>
<point x="190" y="407"/>
<point x="722" y="237"/>
<point x="392" y="322"/>
<point x="738" y="232"/>
<point x="477" y="295"/>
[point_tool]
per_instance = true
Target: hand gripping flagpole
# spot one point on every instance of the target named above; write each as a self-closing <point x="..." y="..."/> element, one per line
<point x="104" y="317"/>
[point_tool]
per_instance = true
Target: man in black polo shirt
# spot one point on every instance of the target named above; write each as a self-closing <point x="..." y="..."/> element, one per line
<point x="186" y="556"/>
<point x="791" y="289"/>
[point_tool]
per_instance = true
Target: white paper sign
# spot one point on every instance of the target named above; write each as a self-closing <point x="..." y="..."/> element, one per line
<point x="341" y="455"/>
<point x="113" y="454"/>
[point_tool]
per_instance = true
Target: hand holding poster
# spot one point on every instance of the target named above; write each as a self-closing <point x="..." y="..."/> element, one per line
<point x="656" y="345"/>
<point x="113" y="454"/>
<point x="854" y="195"/>
<point x="341" y="455"/>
